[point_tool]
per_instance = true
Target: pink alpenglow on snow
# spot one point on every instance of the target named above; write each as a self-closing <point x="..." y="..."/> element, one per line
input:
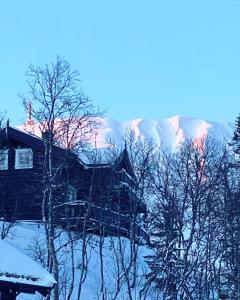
<point x="167" y="133"/>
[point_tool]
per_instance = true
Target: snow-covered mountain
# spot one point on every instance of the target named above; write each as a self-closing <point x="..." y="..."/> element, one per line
<point x="169" y="133"/>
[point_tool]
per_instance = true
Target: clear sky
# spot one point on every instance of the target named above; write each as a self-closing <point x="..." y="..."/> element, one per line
<point x="137" y="59"/>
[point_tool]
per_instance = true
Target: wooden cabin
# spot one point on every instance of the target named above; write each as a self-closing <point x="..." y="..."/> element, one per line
<point x="22" y="171"/>
<point x="102" y="195"/>
<point x="106" y="200"/>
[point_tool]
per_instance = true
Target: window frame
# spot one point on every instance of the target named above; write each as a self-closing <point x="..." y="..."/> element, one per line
<point x="4" y="166"/>
<point x="19" y="165"/>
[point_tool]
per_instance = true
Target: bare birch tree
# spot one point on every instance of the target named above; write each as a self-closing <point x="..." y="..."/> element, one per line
<point x="66" y="117"/>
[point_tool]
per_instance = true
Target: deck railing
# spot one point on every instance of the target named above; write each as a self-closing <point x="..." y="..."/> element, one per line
<point x="113" y="222"/>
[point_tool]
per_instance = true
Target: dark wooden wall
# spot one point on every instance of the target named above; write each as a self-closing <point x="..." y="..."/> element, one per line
<point x="21" y="190"/>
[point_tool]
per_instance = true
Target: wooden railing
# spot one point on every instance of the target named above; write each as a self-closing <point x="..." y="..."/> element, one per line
<point x="96" y="217"/>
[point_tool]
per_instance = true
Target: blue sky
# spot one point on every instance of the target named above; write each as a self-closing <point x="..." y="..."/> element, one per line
<point x="137" y="59"/>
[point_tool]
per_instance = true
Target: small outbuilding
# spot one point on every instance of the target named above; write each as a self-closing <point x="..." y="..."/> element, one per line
<point x="21" y="274"/>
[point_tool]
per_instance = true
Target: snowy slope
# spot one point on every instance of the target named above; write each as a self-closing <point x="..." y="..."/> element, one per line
<point x="28" y="238"/>
<point x="169" y="133"/>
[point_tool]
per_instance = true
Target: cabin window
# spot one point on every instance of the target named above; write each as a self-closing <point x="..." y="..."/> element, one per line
<point x="71" y="194"/>
<point x="3" y="159"/>
<point x="23" y="158"/>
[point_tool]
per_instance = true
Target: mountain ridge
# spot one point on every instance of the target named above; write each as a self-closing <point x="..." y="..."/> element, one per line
<point x="167" y="133"/>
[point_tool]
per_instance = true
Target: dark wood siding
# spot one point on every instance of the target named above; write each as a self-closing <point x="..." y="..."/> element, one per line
<point x="109" y="187"/>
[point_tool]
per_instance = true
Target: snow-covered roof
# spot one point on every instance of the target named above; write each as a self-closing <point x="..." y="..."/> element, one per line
<point x="17" y="268"/>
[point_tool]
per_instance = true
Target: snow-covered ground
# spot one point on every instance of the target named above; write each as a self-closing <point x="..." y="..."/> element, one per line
<point x="29" y="239"/>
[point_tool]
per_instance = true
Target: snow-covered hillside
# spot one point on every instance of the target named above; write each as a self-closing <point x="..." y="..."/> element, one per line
<point x="28" y="238"/>
<point x="169" y="133"/>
